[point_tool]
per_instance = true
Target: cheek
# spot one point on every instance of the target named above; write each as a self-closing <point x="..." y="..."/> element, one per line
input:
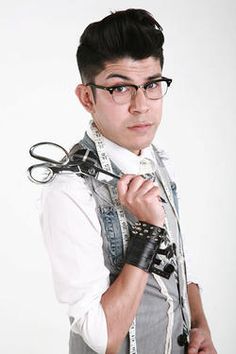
<point x="159" y="105"/>
<point x="110" y="119"/>
<point x="115" y="116"/>
<point x="157" y="110"/>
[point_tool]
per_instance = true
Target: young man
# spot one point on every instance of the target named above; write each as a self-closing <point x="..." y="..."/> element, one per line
<point x="116" y="248"/>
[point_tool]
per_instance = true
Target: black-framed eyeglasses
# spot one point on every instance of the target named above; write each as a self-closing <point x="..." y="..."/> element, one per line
<point x="121" y="94"/>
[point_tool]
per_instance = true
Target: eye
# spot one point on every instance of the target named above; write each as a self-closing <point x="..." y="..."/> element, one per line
<point x="152" y="85"/>
<point x="121" y="89"/>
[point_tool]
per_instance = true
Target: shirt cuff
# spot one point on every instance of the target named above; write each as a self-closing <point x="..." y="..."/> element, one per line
<point x="92" y="327"/>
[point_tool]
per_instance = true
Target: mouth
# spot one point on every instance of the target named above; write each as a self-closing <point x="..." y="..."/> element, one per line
<point x="140" y="126"/>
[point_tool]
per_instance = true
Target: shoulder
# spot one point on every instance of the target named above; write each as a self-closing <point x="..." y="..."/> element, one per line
<point x="66" y="186"/>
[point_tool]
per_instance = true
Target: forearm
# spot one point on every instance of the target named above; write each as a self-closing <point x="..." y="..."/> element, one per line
<point x="200" y="336"/>
<point x="120" y="303"/>
<point x="198" y="318"/>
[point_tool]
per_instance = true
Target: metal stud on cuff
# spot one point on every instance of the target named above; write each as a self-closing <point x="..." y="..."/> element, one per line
<point x="148" y="231"/>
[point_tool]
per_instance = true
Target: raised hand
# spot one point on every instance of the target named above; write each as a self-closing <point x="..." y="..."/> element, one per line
<point x="142" y="198"/>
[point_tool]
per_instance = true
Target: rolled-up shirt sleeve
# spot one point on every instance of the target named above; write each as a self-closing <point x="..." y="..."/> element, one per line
<point x="72" y="235"/>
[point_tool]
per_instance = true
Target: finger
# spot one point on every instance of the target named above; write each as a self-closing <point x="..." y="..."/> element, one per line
<point x="133" y="191"/>
<point x="123" y="185"/>
<point x="192" y="350"/>
<point x="193" y="347"/>
<point x="153" y="193"/>
<point x="195" y="342"/>
<point x="145" y="187"/>
<point x="135" y="184"/>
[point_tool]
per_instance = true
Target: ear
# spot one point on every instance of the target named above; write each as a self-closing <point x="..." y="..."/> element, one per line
<point x="85" y="95"/>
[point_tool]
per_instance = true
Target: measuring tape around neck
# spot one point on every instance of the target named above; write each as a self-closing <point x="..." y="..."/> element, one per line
<point x="106" y="165"/>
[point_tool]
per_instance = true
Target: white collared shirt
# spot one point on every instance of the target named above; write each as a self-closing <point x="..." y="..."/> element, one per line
<point x="72" y="235"/>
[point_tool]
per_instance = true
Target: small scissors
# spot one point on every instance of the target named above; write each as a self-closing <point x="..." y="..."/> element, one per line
<point x="83" y="162"/>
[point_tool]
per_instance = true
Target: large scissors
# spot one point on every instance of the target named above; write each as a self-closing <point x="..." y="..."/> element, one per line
<point x="83" y="162"/>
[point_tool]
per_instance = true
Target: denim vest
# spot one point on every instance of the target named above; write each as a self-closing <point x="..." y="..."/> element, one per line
<point x="151" y="318"/>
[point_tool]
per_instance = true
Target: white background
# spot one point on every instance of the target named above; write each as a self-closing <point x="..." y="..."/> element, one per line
<point x="38" y="74"/>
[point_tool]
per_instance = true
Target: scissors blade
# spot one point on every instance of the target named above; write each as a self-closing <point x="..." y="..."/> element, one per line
<point x="87" y="163"/>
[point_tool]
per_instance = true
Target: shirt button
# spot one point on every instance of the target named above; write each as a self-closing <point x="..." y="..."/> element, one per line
<point x="182" y="339"/>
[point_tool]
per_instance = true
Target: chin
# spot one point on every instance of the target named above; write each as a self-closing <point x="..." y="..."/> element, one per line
<point x="137" y="147"/>
<point x="143" y="144"/>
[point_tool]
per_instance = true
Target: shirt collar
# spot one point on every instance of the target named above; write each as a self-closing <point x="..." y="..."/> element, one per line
<point x="125" y="160"/>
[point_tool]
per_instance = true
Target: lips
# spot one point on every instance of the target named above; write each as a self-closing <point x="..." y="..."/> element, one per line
<point x="140" y="126"/>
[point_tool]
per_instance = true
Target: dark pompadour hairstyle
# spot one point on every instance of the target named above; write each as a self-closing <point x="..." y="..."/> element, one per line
<point x="130" y="33"/>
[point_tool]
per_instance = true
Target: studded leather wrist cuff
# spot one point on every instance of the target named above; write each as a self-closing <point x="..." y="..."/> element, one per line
<point x="145" y="240"/>
<point x="149" y="231"/>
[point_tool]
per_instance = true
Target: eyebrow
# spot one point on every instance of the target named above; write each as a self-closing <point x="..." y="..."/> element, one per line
<point x="123" y="77"/>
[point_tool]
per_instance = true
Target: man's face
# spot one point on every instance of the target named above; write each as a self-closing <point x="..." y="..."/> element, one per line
<point x="133" y="124"/>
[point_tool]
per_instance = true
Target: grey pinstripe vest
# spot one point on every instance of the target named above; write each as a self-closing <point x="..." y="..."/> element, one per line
<point x="151" y="318"/>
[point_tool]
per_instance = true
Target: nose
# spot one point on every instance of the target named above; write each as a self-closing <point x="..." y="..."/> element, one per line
<point x="139" y="102"/>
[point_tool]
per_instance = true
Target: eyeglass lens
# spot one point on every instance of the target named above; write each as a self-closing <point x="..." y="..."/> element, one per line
<point x="153" y="91"/>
